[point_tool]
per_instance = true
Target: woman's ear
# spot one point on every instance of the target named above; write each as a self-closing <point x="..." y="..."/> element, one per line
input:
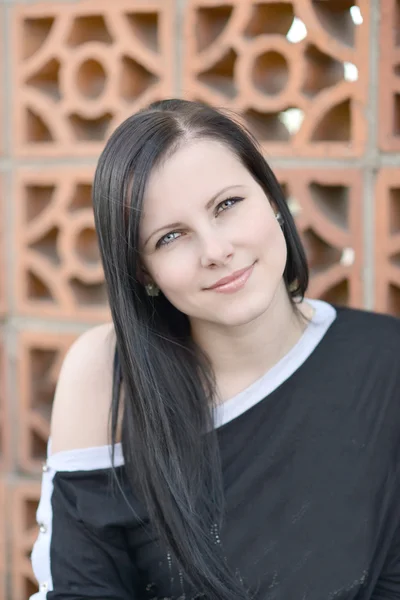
<point x="146" y="280"/>
<point x="143" y="275"/>
<point x="274" y="206"/>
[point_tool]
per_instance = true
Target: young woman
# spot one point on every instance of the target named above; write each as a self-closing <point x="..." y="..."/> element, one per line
<point x="253" y="447"/>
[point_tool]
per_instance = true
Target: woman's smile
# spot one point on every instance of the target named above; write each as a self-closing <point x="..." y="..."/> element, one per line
<point x="234" y="282"/>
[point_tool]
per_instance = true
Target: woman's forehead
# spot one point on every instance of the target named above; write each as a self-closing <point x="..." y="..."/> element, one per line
<point x="195" y="170"/>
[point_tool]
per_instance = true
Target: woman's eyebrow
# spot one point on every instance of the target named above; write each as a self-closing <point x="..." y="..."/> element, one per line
<point x="170" y="226"/>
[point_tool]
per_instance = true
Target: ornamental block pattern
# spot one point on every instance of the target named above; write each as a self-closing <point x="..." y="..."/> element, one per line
<point x="23" y="500"/>
<point x="40" y="356"/>
<point x="58" y="268"/>
<point x="387" y="241"/>
<point x="297" y="71"/>
<point x="389" y="68"/>
<point x="326" y="204"/>
<point x="81" y="68"/>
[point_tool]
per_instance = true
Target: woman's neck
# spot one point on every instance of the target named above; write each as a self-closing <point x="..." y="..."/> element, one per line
<point x="241" y="355"/>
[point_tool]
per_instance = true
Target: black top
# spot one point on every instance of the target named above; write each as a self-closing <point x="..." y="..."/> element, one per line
<point x="312" y="481"/>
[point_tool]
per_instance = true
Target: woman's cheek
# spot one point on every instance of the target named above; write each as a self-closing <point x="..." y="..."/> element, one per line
<point x="173" y="274"/>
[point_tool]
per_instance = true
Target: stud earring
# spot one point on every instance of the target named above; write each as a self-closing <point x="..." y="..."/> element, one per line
<point x="279" y="218"/>
<point x="152" y="289"/>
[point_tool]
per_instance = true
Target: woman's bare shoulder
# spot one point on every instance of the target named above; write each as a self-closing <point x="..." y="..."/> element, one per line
<point x="83" y="393"/>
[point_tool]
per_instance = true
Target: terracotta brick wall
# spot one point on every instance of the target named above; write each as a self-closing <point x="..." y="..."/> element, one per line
<point x="318" y="81"/>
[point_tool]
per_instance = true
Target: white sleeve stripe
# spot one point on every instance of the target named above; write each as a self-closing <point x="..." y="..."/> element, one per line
<point x="85" y="459"/>
<point x="40" y="556"/>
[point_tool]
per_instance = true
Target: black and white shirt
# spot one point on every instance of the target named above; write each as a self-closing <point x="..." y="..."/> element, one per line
<point x="311" y="468"/>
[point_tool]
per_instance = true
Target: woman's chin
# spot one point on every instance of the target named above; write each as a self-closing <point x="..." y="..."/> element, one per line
<point x="243" y="313"/>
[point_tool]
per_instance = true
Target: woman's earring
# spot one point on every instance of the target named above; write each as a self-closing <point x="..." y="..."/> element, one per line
<point x="279" y="218"/>
<point x="152" y="289"/>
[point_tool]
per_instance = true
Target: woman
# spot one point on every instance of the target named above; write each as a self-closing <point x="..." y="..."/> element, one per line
<point x="254" y="445"/>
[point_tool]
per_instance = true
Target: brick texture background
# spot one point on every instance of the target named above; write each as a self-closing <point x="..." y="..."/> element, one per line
<point x="318" y="82"/>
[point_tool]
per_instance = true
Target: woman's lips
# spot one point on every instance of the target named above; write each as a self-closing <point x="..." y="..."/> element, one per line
<point x="234" y="282"/>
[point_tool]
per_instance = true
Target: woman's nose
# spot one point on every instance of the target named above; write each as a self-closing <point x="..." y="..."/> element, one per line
<point x="215" y="250"/>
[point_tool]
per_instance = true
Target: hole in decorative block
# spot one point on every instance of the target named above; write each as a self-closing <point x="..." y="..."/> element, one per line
<point x="356" y="15"/>
<point x="267" y="127"/>
<point x="45" y="392"/>
<point x="322" y="71"/>
<point x="336" y="18"/>
<point x="394" y="210"/>
<point x="135" y="79"/>
<point x="211" y="22"/>
<point x="348" y="257"/>
<point x="298" y="31"/>
<point x="270" y="18"/>
<point x="43" y="385"/>
<point x="396" y="115"/>
<point x="37" y="130"/>
<point x="47" y="246"/>
<point x="46" y="80"/>
<point x="294" y="206"/>
<point x="394" y="299"/>
<point x="335" y="125"/>
<point x="91" y="78"/>
<point x="350" y="71"/>
<point x="43" y="404"/>
<point x="86" y="129"/>
<point x="320" y="255"/>
<point x="338" y="294"/>
<point x="29" y="587"/>
<point x="270" y="73"/>
<point x="41" y="360"/>
<point x="292" y="118"/>
<point x="395" y="259"/>
<point x="144" y="28"/>
<point x="29" y="520"/>
<point x="38" y="199"/>
<point x="82" y="198"/>
<point x="38" y="446"/>
<point x="332" y="201"/>
<point x="89" y="29"/>
<point x="27" y="553"/>
<point x="87" y="247"/>
<point x="35" y="33"/>
<point x="396" y="27"/>
<point x="36" y="288"/>
<point x="89" y="294"/>
<point x="221" y="75"/>
<point x="285" y="189"/>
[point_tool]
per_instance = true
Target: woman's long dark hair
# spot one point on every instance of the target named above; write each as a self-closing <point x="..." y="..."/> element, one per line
<point x="170" y="449"/>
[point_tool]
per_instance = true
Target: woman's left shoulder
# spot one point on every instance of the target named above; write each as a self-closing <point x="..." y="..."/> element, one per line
<point x="370" y="330"/>
<point x="365" y="349"/>
<point x="367" y="352"/>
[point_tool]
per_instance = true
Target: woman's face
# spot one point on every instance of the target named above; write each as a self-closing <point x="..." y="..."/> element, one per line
<point x="205" y="219"/>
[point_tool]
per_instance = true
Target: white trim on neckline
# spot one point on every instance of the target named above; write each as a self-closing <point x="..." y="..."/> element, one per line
<point x="99" y="457"/>
<point x="324" y="315"/>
